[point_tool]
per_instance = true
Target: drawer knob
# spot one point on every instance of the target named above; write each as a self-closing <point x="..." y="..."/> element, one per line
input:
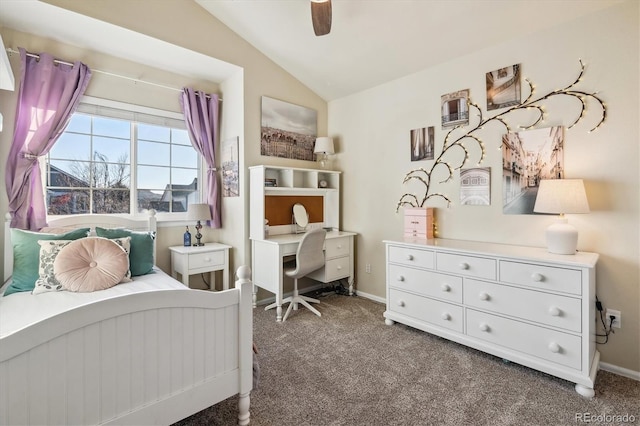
<point x="339" y="246"/>
<point x="401" y="303"/>
<point x="485" y="327"/>
<point x="339" y="267"/>
<point x="400" y="278"/>
<point x="207" y="259"/>
<point x="446" y="316"/>
<point x="464" y="265"/>
<point x="484" y="296"/>
<point x="555" y="311"/>
<point x="445" y="287"/>
<point x="554" y="347"/>
<point x="409" y="257"/>
<point x="537" y="277"/>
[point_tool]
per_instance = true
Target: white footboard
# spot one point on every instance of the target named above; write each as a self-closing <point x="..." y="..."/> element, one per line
<point x="147" y="358"/>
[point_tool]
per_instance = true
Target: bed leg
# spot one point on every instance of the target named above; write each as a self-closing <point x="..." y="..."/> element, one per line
<point x="243" y="409"/>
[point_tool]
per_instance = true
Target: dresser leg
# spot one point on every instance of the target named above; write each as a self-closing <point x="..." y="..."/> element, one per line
<point x="585" y="391"/>
<point x="389" y="322"/>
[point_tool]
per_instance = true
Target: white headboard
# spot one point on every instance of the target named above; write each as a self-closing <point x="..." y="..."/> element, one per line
<point x="148" y="223"/>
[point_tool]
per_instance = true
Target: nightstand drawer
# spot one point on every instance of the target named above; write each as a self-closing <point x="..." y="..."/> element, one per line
<point x="544" y="308"/>
<point x="205" y="260"/>
<point x="531" y="340"/>
<point x="336" y="247"/>
<point x="542" y="277"/>
<point x="411" y="257"/>
<point x="477" y="267"/>
<point x="428" y="283"/>
<point x="433" y="311"/>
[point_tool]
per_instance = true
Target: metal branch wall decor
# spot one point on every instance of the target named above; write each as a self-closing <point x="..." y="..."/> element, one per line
<point x="452" y="143"/>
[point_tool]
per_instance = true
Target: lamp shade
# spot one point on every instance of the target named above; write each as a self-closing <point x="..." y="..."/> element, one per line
<point x="561" y="196"/>
<point x="324" y="145"/>
<point x="199" y="212"/>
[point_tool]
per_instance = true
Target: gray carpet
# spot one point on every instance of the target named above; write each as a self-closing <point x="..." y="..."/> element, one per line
<point x="349" y="368"/>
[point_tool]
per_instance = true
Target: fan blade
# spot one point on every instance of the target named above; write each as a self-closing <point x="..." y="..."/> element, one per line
<point x="321" y="16"/>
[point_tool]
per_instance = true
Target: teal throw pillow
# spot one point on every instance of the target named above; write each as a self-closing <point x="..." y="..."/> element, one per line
<point x="26" y="256"/>
<point x="141" y="254"/>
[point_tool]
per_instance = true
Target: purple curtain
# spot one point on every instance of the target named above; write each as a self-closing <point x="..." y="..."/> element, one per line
<point x="201" y="115"/>
<point x="49" y="94"/>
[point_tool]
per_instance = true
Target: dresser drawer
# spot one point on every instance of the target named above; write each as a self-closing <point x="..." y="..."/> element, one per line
<point x="540" y="342"/>
<point x="477" y="267"/>
<point x="336" y="247"/>
<point x="542" y="277"/>
<point x="205" y="260"/>
<point x="410" y="256"/>
<point x="424" y="309"/>
<point x="549" y="309"/>
<point x="427" y="283"/>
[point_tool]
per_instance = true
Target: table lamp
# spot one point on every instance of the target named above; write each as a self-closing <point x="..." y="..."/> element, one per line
<point x="198" y="212"/>
<point x="561" y="196"/>
<point x="323" y="149"/>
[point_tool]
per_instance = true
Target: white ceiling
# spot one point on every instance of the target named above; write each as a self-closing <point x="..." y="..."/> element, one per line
<point x="375" y="41"/>
<point x="371" y="41"/>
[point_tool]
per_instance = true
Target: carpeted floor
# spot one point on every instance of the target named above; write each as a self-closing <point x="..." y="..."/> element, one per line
<point x="349" y="368"/>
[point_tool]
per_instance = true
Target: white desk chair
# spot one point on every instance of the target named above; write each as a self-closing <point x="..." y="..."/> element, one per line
<point x="309" y="257"/>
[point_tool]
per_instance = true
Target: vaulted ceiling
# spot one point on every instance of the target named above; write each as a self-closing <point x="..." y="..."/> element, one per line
<point x="375" y="41"/>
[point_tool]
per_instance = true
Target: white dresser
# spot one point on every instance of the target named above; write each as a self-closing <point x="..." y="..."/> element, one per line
<point x="519" y="303"/>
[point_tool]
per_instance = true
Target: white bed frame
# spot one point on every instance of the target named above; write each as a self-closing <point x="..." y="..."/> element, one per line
<point x="145" y="358"/>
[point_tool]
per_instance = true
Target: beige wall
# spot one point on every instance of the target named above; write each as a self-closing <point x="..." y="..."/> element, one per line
<point x="374" y="155"/>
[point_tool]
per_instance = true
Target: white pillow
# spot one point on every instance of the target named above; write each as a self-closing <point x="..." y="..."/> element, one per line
<point x="47" y="281"/>
<point x="91" y="264"/>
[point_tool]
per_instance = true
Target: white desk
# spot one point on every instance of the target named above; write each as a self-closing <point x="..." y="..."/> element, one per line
<point x="267" y="258"/>
<point x="192" y="260"/>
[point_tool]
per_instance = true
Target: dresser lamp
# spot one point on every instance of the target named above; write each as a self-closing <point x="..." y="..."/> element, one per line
<point x="198" y="212"/>
<point x="323" y="149"/>
<point x="561" y="196"/>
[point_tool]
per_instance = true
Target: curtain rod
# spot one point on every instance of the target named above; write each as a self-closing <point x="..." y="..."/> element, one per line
<point x="136" y="80"/>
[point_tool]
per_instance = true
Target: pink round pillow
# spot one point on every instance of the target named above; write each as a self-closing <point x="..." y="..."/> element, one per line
<point x="90" y="264"/>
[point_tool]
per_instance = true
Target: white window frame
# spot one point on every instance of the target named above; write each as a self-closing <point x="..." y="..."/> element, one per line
<point x="89" y="102"/>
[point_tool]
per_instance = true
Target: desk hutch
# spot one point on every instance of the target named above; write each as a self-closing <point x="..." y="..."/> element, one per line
<point x="273" y="191"/>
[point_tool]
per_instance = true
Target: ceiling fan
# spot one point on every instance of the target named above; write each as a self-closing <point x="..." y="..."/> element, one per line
<point x="321" y="16"/>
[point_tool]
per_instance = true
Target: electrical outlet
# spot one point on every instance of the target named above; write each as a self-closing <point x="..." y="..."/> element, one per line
<point x="367" y="268"/>
<point x="617" y="323"/>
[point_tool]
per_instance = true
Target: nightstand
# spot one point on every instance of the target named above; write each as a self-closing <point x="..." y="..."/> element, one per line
<point x="200" y="259"/>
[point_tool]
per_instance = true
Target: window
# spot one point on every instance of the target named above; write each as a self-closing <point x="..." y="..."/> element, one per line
<point x="118" y="158"/>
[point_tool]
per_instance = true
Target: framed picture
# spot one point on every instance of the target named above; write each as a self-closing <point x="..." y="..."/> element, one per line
<point x="287" y="130"/>
<point x="475" y="186"/>
<point x="230" y="169"/>
<point x="503" y="87"/>
<point x="527" y="158"/>
<point x="422" y="143"/>
<point x="455" y="108"/>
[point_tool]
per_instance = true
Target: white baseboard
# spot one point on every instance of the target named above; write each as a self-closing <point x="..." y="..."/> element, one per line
<point x="371" y="297"/>
<point x="635" y="375"/>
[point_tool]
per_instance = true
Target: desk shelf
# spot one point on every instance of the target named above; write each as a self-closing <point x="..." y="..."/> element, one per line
<point x="291" y="181"/>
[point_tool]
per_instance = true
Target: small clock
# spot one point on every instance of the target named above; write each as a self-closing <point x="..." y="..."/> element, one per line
<point x="322" y="183"/>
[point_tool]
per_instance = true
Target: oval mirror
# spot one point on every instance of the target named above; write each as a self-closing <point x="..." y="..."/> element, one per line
<point x="300" y="215"/>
